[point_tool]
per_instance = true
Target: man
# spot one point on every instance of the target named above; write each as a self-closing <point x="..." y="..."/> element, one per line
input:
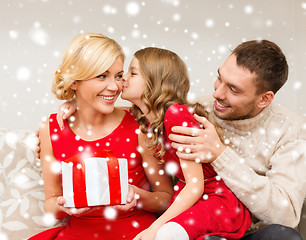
<point x="260" y="151"/>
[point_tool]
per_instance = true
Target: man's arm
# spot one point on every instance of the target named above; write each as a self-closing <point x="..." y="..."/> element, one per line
<point x="278" y="195"/>
<point x="275" y="195"/>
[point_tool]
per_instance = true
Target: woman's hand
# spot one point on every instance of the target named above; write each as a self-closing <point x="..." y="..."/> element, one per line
<point x="77" y="212"/>
<point x="131" y="200"/>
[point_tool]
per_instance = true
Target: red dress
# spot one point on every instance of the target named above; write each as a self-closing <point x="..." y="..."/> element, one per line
<point x="218" y="212"/>
<point x="123" y="141"/>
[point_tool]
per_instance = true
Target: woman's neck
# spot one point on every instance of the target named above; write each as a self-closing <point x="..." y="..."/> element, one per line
<point x="86" y="117"/>
<point x="91" y="125"/>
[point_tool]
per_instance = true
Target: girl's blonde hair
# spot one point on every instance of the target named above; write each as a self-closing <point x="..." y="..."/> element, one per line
<point x="87" y="56"/>
<point x="167" y="83"/>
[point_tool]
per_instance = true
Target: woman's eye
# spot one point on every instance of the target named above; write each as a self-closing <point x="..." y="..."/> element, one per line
<point x="101" y="76"/>
<point x="134" y="74"/>
<point x="119" y="77"/>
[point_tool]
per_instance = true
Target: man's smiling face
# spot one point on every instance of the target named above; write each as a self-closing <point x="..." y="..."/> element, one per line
<point x="235" y="92"/>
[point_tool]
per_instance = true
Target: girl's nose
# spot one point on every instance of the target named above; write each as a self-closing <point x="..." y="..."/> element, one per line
<point x="124" y="77"/>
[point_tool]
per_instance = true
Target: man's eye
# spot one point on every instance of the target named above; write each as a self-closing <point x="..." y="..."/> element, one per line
<point x="233" y="90"/>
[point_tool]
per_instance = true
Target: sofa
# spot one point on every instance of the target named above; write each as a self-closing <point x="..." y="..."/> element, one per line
<point x="21" y="188"/>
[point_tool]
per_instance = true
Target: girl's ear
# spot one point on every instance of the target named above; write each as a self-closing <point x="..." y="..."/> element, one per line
<point x="74" y="85"/>
<point x="266" y="99"/>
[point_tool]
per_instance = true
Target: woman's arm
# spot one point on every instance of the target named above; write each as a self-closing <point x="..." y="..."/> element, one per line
<point x="50" y="172"/>
<point x="161" y="183"/>
<point x="54" y="200"/>
<point x="155" y="201"/>
<point x="189" y="195"/>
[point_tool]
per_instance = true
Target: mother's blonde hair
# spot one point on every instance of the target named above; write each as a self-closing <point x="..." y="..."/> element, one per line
<point x="167" y="83"/>
<point x="87" y="56"/>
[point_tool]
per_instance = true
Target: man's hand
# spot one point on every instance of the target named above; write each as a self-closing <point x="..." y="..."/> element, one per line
<point x="201" y="145"/>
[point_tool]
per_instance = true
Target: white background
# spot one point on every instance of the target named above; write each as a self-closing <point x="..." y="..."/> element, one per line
<point x="34" y="34"/>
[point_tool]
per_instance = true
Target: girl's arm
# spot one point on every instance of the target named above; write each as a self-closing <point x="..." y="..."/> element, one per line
<point x="192" y="171"/>
<point x="189" y="195"/>
<point x="161" y="183"/>
<point x="65" y="110"/>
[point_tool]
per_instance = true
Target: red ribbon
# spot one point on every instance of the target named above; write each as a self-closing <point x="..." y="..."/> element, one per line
<point x="79" y="182"/>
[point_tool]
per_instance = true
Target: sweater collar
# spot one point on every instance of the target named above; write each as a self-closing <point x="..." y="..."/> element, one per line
<point x="243" y="126"/>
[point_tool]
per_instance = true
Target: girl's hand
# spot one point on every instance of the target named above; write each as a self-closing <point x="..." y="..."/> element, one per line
<point x="148" y="234"/>
<point x="37" y="145"/>
<point x="77" y="212"/>
<point x="65" y="110"/>
<point x="131" y="200"/>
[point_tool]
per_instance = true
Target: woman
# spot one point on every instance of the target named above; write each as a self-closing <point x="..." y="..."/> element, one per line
<point x="91" y="72"/>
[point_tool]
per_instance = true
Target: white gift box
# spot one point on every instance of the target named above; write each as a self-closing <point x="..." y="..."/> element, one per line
<point x="94" y="181"/>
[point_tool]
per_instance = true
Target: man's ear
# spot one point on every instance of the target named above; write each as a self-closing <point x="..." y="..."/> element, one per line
<point x="74" y="85"/>
<point x="266" y="99"/>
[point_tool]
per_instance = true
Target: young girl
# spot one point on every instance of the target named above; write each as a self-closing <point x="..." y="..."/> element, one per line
<point x="157" y="84"/>
<point x="91" y="72"/>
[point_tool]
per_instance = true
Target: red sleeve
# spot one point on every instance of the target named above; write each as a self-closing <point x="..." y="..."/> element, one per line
<point x="179" y="115"/>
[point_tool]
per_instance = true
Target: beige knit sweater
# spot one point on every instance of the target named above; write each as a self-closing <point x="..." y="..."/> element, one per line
<point x="265" y="163"/>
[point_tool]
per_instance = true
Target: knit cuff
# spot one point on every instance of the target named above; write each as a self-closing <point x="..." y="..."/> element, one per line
<point x="226" y="159"/>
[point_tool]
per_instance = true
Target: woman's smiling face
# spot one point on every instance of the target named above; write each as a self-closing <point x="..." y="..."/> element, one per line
<point x="102" y="91"/>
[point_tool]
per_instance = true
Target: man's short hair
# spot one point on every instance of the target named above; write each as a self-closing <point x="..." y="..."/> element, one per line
<point x="267" y="60"/>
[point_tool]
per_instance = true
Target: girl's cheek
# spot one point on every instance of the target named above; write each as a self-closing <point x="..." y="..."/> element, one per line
<point x="119" y="84"/>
